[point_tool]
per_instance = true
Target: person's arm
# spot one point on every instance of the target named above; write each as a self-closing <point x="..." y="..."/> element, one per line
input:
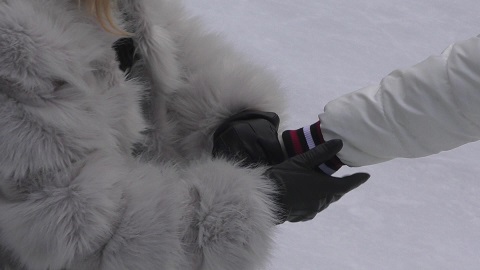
<point x="69" y="196"/>
<point x="211" y="81"/>
<point x="106" y="210"/>
<point x="120" y="214"/>
<point x="414" y="112"/>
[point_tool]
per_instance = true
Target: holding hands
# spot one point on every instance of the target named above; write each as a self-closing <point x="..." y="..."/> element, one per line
<point x="304" y="190"/>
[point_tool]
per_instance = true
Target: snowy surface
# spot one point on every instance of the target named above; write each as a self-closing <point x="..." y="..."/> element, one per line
<point x="412" y="214"/>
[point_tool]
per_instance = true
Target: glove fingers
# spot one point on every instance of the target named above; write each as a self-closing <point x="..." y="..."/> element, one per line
<point x="318" y="155"/>
<point x="348" y="183"/>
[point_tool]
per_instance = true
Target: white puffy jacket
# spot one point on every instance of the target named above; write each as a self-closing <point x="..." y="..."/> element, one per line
<point x="431" y="107"/>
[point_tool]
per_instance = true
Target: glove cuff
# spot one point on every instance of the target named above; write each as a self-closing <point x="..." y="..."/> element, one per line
<point x="301" y="140"/>
<point x="291" y="207"/>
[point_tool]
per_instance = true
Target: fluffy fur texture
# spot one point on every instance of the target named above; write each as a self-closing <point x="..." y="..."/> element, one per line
<point x="71" y="194"/>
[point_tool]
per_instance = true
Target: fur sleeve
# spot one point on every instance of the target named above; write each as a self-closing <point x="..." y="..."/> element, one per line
<point x="232" y="221"/>
<point x="58" y="217"/>
<point x="205" y="79"/>
<point x="116" y="214"/>
<point x="218" y="82"/>
<point x="111" y="213"/>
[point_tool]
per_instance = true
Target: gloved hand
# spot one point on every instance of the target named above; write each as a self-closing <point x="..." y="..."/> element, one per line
<point x="250" y="136"/>
<point x="304" y="190"/>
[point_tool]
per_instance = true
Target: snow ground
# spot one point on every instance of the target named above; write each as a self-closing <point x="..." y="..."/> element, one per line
<point x="412" y="214"/>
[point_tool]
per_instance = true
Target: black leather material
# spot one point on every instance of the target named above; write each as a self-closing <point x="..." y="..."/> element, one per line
<point x="305" y="190"/>
<point x="250" y="137"/>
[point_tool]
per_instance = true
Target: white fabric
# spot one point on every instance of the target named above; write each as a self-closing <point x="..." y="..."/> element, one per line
<point x="308" y="137"/>
<point x="431" y="107"/>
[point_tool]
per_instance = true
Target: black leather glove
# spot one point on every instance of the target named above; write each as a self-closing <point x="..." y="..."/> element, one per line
<point x="304" y="190"/>
<point x="250" y="136"/>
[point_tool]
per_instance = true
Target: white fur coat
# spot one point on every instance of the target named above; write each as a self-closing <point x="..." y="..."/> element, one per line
<point x="71" y="194"/>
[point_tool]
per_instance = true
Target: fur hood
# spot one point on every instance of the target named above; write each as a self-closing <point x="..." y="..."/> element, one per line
<point x="71" y="194"/>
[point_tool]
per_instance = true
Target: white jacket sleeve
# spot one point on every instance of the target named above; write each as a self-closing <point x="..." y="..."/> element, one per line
<point x="414" y="112"/>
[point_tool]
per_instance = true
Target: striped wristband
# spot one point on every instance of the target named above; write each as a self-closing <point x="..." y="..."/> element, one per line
<point x="301" y="140"/>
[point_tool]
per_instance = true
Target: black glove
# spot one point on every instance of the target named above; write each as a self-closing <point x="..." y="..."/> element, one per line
<point x="249" y="136"/>
<point x="304" y="190"/>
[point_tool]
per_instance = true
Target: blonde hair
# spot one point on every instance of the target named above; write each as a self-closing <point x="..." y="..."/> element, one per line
<point x="102" y="10"/>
